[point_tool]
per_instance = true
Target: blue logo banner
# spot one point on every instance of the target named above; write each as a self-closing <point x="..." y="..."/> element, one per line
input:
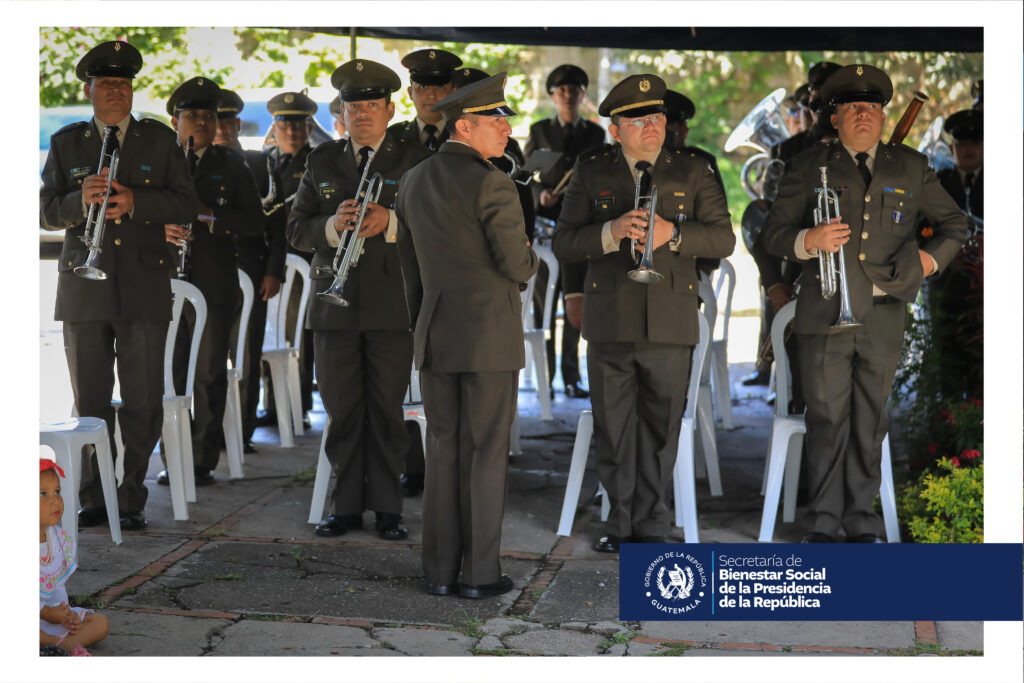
<point x="821" y="581"/>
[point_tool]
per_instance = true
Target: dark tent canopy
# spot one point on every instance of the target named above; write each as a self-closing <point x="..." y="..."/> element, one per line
<point x="760" y="39"/>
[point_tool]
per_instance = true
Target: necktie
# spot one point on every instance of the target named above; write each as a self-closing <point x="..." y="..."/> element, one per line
<point x="567" y="136"/>
<point x="364" y="157"/>
<point x="862" y="166"/>
<point x="969" y="181"/>
<point x="193" y="159"/>
<point x="431" y="131"/>
<point x="644" y="179"/>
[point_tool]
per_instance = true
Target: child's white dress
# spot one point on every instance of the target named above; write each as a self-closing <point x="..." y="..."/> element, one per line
<point x="56" y="564"/>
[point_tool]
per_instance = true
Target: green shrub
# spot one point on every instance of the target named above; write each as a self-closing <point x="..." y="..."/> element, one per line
<point x="953" y="507"/>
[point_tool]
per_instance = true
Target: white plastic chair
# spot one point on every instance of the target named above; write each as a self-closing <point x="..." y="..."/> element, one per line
<point x="413" y="411"/>
<point x="233" y="439"/>
<point x="177" y="431"/>
<point x="708" y="465"/>
<point x="67" y="438"/>
<point x="782" y="466"/>
<point x="682" y="473"/>
<point x="535" y="337"/>
<point x="283" y="358"/>
<point x="721" y="387"/>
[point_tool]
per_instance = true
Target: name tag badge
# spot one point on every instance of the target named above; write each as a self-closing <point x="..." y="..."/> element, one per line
<point x="327" y="189"/>
<point x="146" y="168"/>
<point x="604" y="202"/>
<point x="81" y="172"/>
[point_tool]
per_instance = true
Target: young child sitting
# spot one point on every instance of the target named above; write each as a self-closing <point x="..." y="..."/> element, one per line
<point x="72" y="628"/>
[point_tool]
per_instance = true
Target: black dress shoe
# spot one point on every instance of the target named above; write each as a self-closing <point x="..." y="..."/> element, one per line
<point x="336" y="525"/>
<point x="92" y="517"/>
<point x="202" y="475"/>
<point x="267" y="419"/>
<point x="442" y="588"/>
<point x="487" y="590"/>
<point x="412" y="484"/>
<point x="818" y="537"/>
<point x="248" y="448"/>
<point x="574" y="390"/>
<point x="306" y="424"/>
<point x="757" y="378"/>
<point x="389" y="527"/>
<point x="133" y="521"/>
<point x="770" y="399"/>
<point x="608" y="544"/>
<point x="865" y="538"/>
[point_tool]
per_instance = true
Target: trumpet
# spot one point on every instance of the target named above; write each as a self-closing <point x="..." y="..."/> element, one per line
<point x="645" y="273"/>
<point x="183" y="246"/>
<point x="95" y="222"/>
<point x="349" y="249"/>
<point x="269" y="206"/>
<point x="830" y="283"/>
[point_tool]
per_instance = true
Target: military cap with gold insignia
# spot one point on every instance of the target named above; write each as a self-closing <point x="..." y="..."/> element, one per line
<point x="230" y="104"/>
<point x="483" y="98"/>
<point x="361" y="79"/>
<point x="567" y="74"/>
<point x="965" y="125"/>
<point x="431" y="66"/>
<point x="635" y="96"/>
<point x="113" y="58"/>
<point x="465" y="75"/>
<point x="857" y="83"/>
<point x="819" y="73"/>
<point x="291" y="106"/>
<point x="678" y="107"/>
<point x="195" y="93"/>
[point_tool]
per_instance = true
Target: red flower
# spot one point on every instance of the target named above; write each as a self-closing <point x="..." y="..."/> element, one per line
<point x="955" y="461"/>
<point x="947" y="416"/>
<point x="932" y="447"/>
<point x="969" y="454"/>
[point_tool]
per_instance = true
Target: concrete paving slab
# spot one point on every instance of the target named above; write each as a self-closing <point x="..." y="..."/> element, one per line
<point x="585" y="591"/>
<point x="272" y="638"/>
<point x="960" y="635"/>
<point x="100" y="562"/>
<point x="502" y="626"/>
<point x="555" y="642"/>
<point x="156" y="635"/>
<point x="421" y="642"/>
<point x="869" y="634"/>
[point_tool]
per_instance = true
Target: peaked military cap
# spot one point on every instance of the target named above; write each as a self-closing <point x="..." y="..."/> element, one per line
<point x="567" y="74"/>
<point x="802" y="95"/>
<point x="465" y="75"/>
<point x="291" y="106"/>
<point x="678" y="107"/>
<point x="965" y="125"/>
<point x="335" y="106"/>
<point x="635" y="96"/>
<point x="113" y="58"/>
<point x="361" y="79"/>
<point x="431" y="66"/>
<point x="819" y="73"/>
<point x="484" y="98"/>
<point x="230" y="104"/>
<point x="857" y="83"/>
<point x="195" y="93"/>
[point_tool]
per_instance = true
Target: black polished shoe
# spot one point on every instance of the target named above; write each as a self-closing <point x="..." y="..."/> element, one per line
<point x="574" y="390"/>
<point x="818" y="537"/>
<point x="133" y="521"/>
<point x="770" y="399"/>
<point x="756" y="379"/>
<point x="487" y="590"/>
<point x="609" y="544"/>
<point x="92" y="517"/>
<point x="306" y="424"/>
<point x="204" y="477"/>
<point x="442" y="588"/>
<point x="267" y="419"/>
<point x="865" y="538"/>
<point x="336" y="525"/>
<point x="412" y="484"/>
<point x="389" y="527"/>
<point x="248" y="448"/>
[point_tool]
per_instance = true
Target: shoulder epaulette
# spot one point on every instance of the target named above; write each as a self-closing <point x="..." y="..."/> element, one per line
<point x="78" y="125"/>
<point x="598" y="153"/>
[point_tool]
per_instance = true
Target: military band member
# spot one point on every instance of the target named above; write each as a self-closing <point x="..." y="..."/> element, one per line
<point x="363" y="350"/>
<point x="430" y="81"/>
<point x="567" y="132"/>
<point x="640" y="336"/>
<point x="464" y="254"/>
<point x="821" y="126"/>
<point x="228" y="207"/>
<point x="847" y="374"/>
<point x="339" y="121"/>
<point x="124" y="317"/>
<point x="966" y="129"/>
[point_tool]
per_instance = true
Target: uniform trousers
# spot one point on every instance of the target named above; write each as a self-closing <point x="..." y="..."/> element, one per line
<point x="847" y="378"/>
<point x="363" y="377"/>
<point x="137" y="347"/>
<point x="250" y="387"/>
<point x="638" y="392"/>
<point x="210" y="385"/>
<point x="469" y="418"/>
<point x="570" y="364"/>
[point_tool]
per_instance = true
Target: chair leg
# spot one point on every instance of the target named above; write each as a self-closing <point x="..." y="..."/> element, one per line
<point x="119" y="444"/>
<point x="171" y="436"/>
<point x="577" y="466"/>
<point x="781" y="435"/>
<point x="323" y="477"/>
<point x="295" y="393"/>
<point x="791" y="478"/>
<point x="188" y="469"/>
<point x="69" y="462"/>
<point x="514" y="446"/>
<point x="706" y="427"/>
<point x="888" y="494"/>
<point x="767" y="461"/>
<point x="105" y="464"/>
<point x="684" y="483"/>
<point x="606" y="503"/>
<point x="540" y="368"/>
<point x="720" y="384"/>
<point x="282" y="402"/>
<point x="233" y="428"/>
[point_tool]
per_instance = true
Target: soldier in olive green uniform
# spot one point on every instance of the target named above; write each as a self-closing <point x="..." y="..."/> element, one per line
<point x="847" y="373"/>
<point x="124" y="317"/>
<point x="640" y="336"/>
<point x="430" y="81"/>
<point x="363" y="350"/>
<point x="464" y="254"/>
<point x="229" y="207"/>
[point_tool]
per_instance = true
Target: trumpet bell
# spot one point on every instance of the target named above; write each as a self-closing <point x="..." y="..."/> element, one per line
<point x="645" y="275"/>
<point x="90" y="273"/>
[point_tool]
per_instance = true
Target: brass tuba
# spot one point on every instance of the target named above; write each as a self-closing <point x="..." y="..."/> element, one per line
<point x="762" y="128"/>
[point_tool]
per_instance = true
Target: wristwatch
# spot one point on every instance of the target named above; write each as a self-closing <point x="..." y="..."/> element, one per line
<point x="676" y="237"/>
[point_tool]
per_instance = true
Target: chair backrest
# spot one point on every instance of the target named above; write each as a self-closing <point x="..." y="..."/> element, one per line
<point x="413" y="394"/>
<point x="296" y="273"/>
<point x="548" y="256"/>
<point x="243" y="320"/>
<point x="783" y="377"/>
<point x="726" y="279"/>
<point x="700" y="352"/>
<point x="710" y="314"/>
<point x="526" y="299"/>
<point x="181" y="292"/>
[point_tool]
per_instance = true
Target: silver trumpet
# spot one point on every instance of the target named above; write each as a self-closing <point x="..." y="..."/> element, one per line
<point x="96" y="220"/>
<point x="269" y="205"/>
<point x="347" y="256"/>
<point x="645" y="273"/>
<point x="830" y="283"/>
